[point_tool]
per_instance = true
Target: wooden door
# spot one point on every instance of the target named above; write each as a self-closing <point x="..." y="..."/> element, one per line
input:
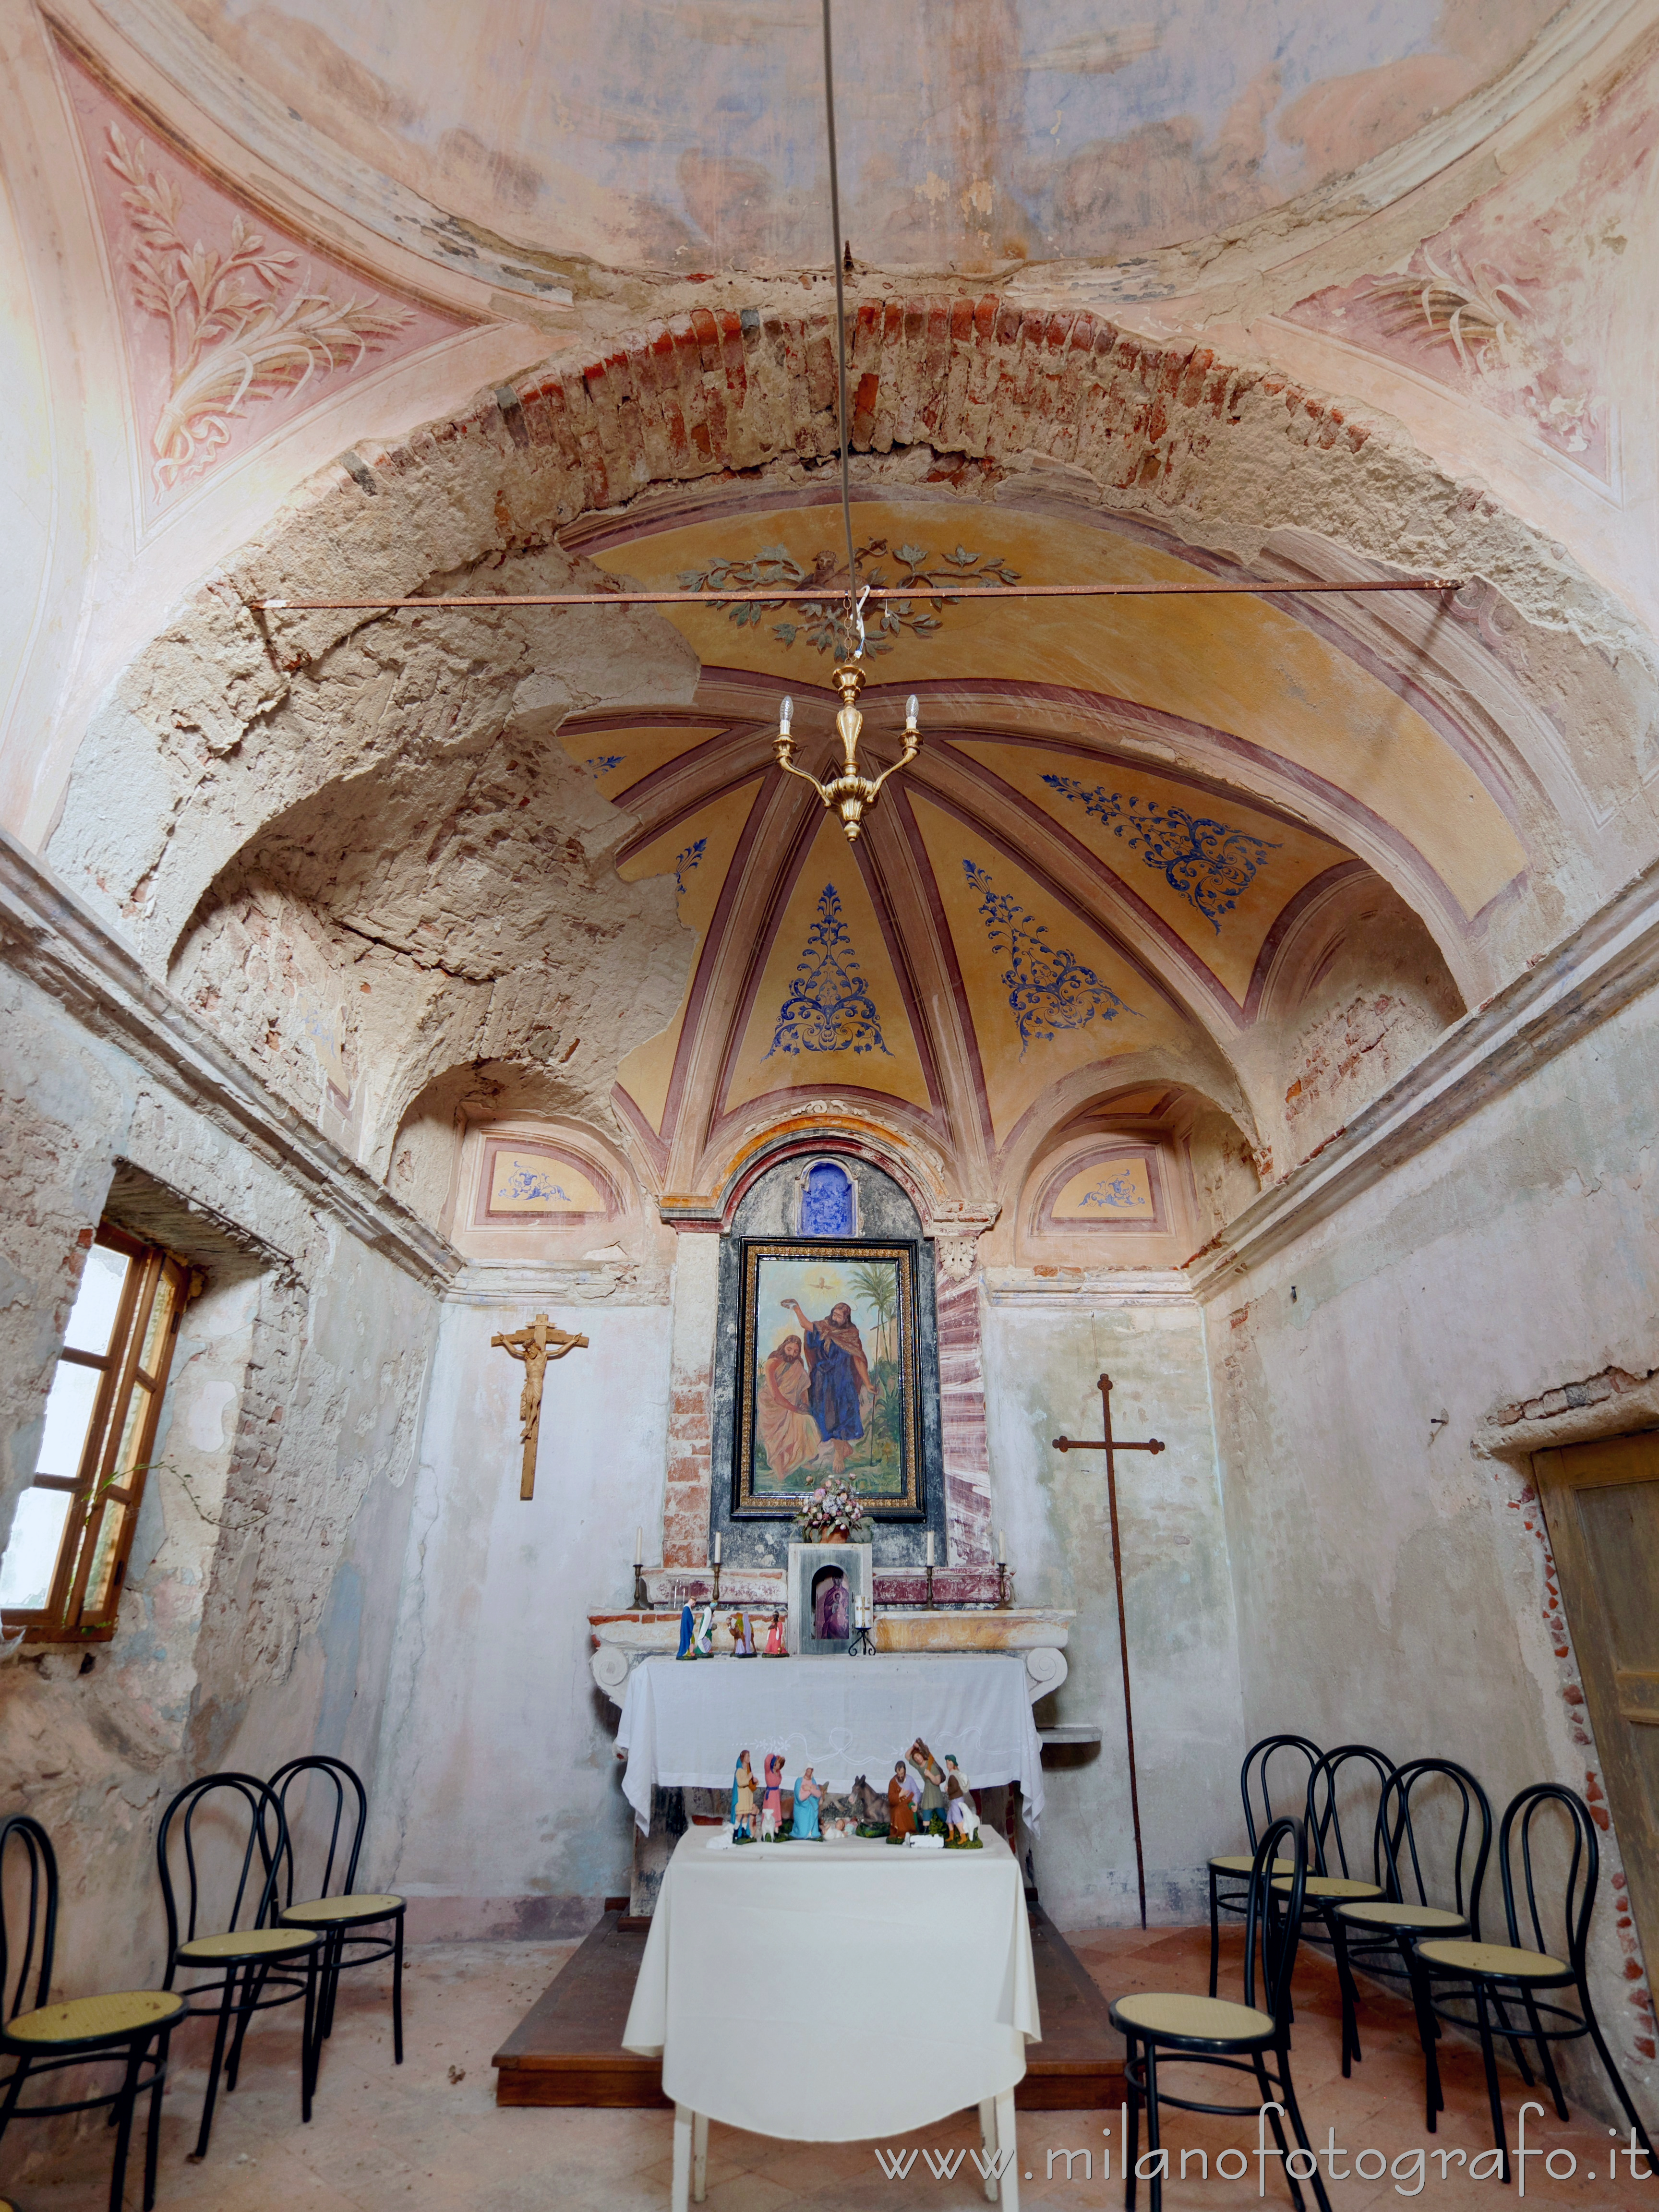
<point x="1602" y="1502"/>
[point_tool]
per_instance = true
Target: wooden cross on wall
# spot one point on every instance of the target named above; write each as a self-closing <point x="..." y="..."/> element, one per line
<point x="535" y="1344"/>
<point x="1111" y="1446"/>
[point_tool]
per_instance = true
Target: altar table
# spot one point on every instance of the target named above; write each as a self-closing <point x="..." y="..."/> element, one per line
<point x="836" y="1992"/>
<point x="684" y="1723"/>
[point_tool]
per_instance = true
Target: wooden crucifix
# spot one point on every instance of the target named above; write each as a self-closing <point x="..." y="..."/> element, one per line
<point x="535" y="1343"/>
<point x="1111" y="1446"/>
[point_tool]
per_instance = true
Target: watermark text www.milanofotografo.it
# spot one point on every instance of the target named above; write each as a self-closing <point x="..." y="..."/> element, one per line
<point x="1412" y="2170"/>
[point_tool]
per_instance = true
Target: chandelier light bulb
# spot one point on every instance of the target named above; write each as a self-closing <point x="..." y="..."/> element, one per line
<point x="786" y="715"/>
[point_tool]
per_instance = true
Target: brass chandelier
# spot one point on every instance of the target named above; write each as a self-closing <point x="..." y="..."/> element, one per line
<point x="850" y="795"/>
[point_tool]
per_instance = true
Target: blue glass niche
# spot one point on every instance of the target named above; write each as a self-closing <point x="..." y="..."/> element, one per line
<point x="826" y="1201"/>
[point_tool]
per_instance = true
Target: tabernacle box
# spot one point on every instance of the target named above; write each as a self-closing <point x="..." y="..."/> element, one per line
<point x="824" y="1580"/>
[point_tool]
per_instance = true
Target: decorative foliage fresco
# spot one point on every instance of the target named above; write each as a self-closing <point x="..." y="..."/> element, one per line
<point x="1514" y="305"/>
<point x="688" y="862"/>
<point x="828" y="1008"/>
<point x="1049" y="991"/>
<point x="823" y="623"/>
<point x="598" y="764"/>
<point x="1210" y="866"/>
<point x="241" y="329"/>
<point x="532" y="1187"/>
<point x="1114" y="1191"/>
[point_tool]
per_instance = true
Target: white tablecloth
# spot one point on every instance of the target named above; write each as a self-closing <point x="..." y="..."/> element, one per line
<point x="832" y="1992"/>
<point x="683" y="1724"/>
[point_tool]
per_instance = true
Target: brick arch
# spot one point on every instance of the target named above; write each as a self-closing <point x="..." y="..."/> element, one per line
<point x="222" y="721"/>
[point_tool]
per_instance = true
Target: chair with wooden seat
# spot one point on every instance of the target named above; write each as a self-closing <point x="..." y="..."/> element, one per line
<point x="1230" y="1871"/>
<point x="1488" y="1977"/>
<point x="347" y="1916"/>
<point x="130" y="2029"/>
<point x="1377" y="1933"/>
<point x="1171" y="2027"/>
<point x="252" y="1963"/>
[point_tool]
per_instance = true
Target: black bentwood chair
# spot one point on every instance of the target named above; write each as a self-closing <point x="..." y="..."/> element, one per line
<point x="1232" y="1869"/>
<point x="1494" y="1975"/>
<point x="120" y="2028"/>
<point x="1377" y="1934"/>
<point x="1210" y="2031"/>
<point x="258" y="1964"/>
<point x="1332" y="1882"/>
<point x="352" y="1916"/>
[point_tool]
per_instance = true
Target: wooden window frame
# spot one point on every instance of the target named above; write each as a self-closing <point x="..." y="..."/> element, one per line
<point x="95" y="1491"/>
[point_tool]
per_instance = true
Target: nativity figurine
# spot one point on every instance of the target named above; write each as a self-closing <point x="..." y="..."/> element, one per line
<point x="687" y="1650"/>
<point x="808" y="1793"/>
<point x="932" y="1807"/>
<point x="961" y="1817"/>
<point x="745" y="1818"/>
<point x="901" y="1815"/>
<point x="772" y="1797"/>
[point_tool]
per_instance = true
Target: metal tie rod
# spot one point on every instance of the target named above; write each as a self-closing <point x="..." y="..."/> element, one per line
<point x="820" y="597"/>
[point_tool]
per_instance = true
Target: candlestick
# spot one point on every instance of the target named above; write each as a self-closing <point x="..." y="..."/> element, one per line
<point x="1005" y="1585"/>
<point x="930" y="1578"/>
<point x="641" y="1595"/>
<point x="715" y="1598"/>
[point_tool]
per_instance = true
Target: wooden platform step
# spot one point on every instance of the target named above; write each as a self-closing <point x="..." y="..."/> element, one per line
<point x="567" y="2050"/>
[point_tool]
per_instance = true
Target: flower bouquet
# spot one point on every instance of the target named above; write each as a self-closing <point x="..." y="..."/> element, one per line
<point x="832" y="1514"/>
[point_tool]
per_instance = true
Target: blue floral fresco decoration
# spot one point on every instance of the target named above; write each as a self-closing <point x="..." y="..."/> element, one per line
<point x="828" y="1008"/>
<point x="1210" y="866"/>
<point x="602" y="763"/>
<point x="688" y="862"/>
<point x="1049" y="991"/>
<point x="527" y="1185"/>
<point x="1118" y="1190"/>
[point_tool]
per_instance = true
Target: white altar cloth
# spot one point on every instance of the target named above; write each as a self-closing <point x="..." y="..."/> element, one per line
<point x="683" y="1723"/>
<point x="832" y="1992"/>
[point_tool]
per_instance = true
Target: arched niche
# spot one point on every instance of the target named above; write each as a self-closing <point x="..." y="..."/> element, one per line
<point x="769" y="1208"/>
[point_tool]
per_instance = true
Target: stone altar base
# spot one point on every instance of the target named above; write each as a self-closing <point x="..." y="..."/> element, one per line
<point x="567" y="2048"/>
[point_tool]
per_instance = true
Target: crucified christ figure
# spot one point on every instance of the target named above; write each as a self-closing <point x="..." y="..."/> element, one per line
<point x="535" y="1344"/>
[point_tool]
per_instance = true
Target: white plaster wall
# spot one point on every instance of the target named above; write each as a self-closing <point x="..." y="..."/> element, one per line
<point x="1390" y="1579"/>
<point x="1042" y="1359"/>
<point x="500" y="1802"/>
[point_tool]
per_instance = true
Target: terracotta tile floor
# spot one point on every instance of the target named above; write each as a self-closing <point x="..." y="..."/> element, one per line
<point x="429" y="2133"/>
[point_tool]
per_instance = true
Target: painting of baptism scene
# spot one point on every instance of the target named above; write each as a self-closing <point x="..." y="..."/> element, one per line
<point x="828" y="1382"/>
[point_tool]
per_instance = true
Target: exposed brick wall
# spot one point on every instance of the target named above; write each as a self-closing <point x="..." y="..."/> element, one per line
<point x="728" y="389"/>
<point x="685" y="1486"/>
<point x="962" y="1416"/>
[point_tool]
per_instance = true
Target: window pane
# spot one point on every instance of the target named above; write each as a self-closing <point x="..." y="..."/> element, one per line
<point x="95" y="1601"/>
<point x="31" y="1559"/>
<point x="68" y="1411"/>
<point x="161" y="1320"/>
<point x="98" y="1300"/>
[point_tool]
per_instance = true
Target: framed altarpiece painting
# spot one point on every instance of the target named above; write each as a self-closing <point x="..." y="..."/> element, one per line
<point x="828" y="1381"/>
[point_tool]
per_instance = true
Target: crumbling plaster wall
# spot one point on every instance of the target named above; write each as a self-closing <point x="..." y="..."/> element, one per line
<point x="232" y="715"/>
<point x="257" y="1619"/>
<point x="429" y="913"/>
<point x="1391" y="1585"/>
<point x="1044" y="1350"/>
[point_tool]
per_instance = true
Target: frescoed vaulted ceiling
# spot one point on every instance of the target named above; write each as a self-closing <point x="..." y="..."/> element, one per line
<point x="1121" y="809"/>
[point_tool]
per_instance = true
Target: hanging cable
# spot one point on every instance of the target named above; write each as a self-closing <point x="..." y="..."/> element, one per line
<point x="856" y="604"/>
